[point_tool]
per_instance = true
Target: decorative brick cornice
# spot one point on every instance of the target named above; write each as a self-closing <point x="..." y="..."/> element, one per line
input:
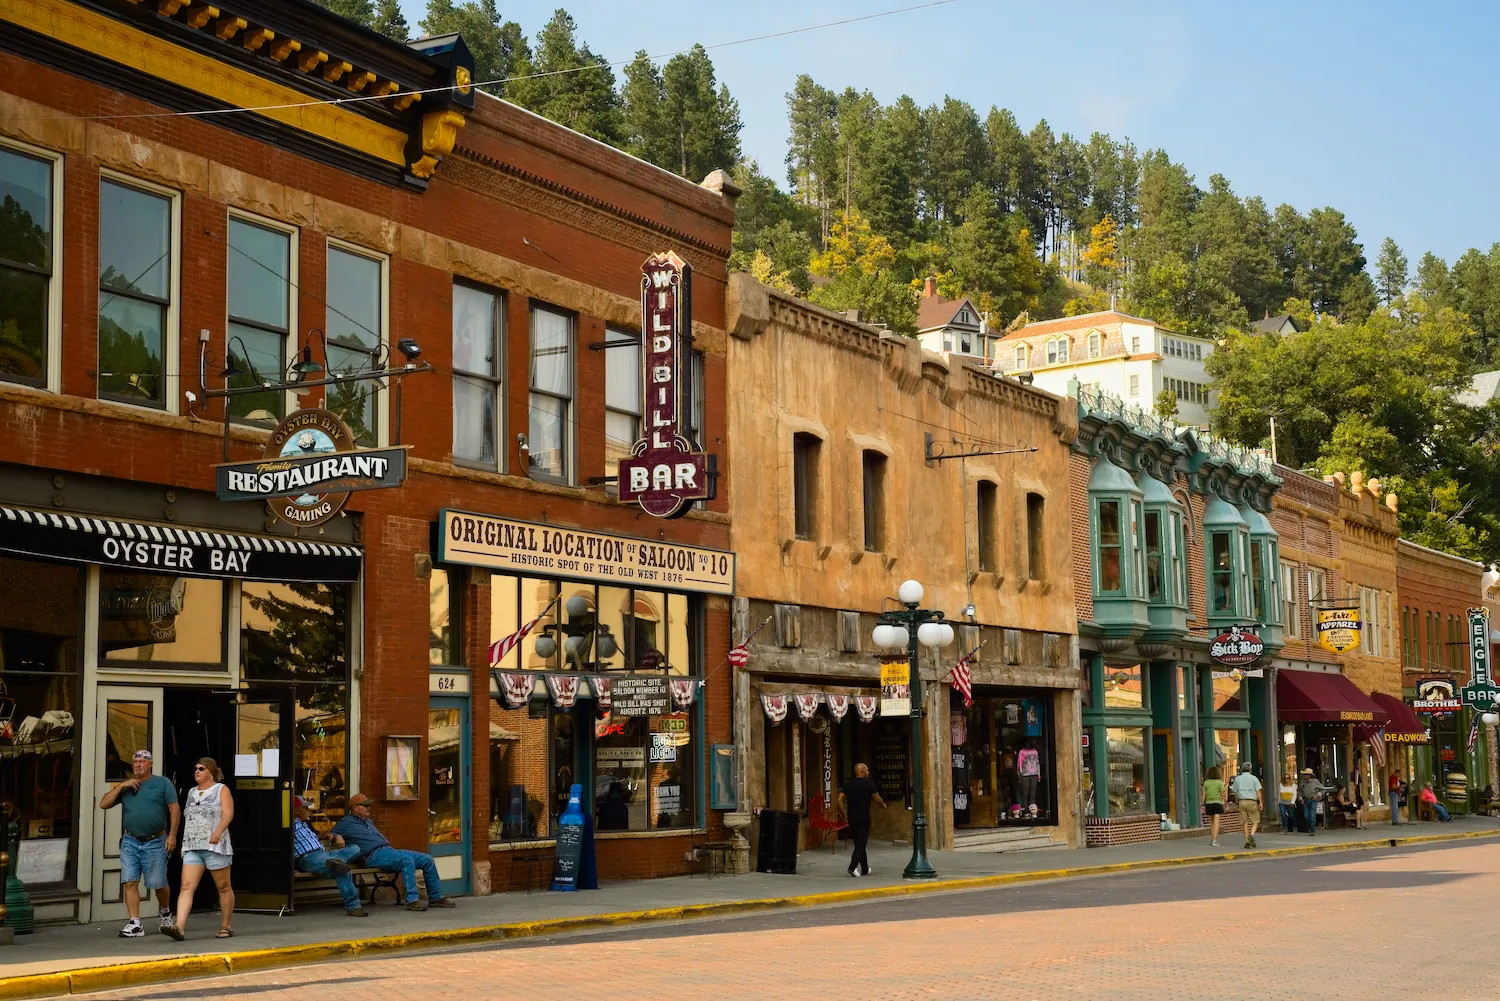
<point x="505" y="182"/>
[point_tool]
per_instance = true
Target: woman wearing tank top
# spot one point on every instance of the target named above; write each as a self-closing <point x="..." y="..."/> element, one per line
<point x="205" y="845"/>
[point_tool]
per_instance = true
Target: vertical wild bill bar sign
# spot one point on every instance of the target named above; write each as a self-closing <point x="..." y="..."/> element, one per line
<point x="665" y="472"/>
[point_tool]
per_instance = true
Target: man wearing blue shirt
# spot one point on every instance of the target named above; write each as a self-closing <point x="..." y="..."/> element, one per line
<point x="314" y="858"/>
<point x="357" y="829"/>
<point x="149" y="819"/>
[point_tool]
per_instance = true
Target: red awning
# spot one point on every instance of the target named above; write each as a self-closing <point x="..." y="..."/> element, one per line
<point x="1403" y="727"/>
<point x="1304" y="697"/>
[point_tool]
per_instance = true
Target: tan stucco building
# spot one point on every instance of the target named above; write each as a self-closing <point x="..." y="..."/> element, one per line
<point x="830" y="423"/>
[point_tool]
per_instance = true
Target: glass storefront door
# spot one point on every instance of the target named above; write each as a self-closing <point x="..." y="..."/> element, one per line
<point x="128" y="720"/>
<point x="448" y="791"/>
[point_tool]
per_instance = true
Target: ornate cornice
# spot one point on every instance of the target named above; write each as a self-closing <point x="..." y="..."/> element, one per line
<point x="474" y="170"/>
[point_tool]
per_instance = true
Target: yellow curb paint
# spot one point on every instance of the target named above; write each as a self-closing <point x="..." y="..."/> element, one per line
<point x="101" y="978"/>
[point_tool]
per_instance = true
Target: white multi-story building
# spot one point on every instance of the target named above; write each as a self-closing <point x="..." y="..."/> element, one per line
<point x="1116" y="353"/>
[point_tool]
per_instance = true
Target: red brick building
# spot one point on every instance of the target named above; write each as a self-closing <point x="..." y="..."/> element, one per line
<point x="143" y="243"/>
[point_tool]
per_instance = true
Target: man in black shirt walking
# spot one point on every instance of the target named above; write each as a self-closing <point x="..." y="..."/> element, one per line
<point x="854" y="800"/>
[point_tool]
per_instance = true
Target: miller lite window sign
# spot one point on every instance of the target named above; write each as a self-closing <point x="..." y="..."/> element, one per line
<point x="665" y="472"/>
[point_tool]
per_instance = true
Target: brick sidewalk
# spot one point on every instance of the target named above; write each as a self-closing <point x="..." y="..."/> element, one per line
<point x="55" y="949"/>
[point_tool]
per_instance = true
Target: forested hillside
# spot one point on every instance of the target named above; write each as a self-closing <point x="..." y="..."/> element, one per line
<point x="1033" y="222"/>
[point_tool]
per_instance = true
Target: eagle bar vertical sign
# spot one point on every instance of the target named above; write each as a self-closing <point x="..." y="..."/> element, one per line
<point x="664" y="474"/>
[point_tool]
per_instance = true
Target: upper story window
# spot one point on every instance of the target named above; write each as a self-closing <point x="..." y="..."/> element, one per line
<point x="30" y="257"/>
<point x="550" y="436"/>
<point x="806" y="450"/>
<point x="1057" y="351"/>
<point x="137" y="293"/>
<point x="1094" y="344"/>
<point x="1291" y="618"/>
<point x="478" y="376"/>
<point x="987" y="511"/>
<point x="1020" y="356"/>
<point x="966" y="342"/>
<point x="622" y="396"/>
<point x="355" y="330"/>
<point x="1135" y="345"/>
<point x="1135" y="385"/>
<point x="1036" y="537"/>
<point x="262" y="287"/>
<point x="1162" y="528"/>
<point x="874" y="464"/>
<point x="1116" y="532"/>
<point x="1221" y="571"/>
<point x="1111" y="547"/>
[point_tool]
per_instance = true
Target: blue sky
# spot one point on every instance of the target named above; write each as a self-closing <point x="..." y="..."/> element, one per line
<point x="1380" y="109"/>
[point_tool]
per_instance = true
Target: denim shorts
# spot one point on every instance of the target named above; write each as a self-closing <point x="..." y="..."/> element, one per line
<point x="209" y="860"/>
<point x="144" y="858"/>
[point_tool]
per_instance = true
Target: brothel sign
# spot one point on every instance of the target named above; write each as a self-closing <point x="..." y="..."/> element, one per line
<point x="665" y="472"/>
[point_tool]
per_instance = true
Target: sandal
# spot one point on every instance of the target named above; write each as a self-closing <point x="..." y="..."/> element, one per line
<point x="225" y="933"/>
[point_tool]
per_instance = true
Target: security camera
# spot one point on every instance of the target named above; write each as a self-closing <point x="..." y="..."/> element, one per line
<point x="410" y="348"/>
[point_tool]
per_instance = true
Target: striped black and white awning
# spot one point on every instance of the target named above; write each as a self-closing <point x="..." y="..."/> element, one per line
<point x="168" y="549"/>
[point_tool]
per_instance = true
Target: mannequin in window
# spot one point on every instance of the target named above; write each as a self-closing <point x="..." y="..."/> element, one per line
<point x="1029" y="765"/>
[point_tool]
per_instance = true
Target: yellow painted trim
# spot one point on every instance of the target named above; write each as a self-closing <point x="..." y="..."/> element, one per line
<point x="129" y="46"/>
<point x="101" y="978"/>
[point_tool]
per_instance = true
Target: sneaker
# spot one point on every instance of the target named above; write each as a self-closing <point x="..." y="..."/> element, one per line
<point x="1252" y="843"/>
<point x="440" y="902"/>
<point x="166" y="917"/>
<point x="1214" y="844"/>
<point x="133" y="929"/>
<point x="866" y="871"/>
<point x="358" y="912"/>
<point x="852" y="872"/>
<point x="416" y="905"/>
<point x="337" y="866"/>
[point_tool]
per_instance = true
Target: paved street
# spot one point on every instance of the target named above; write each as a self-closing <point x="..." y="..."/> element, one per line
<point x="1355" y="925"/>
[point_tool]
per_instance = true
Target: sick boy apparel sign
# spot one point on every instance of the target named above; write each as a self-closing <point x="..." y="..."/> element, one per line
<point x="665" y="472"/>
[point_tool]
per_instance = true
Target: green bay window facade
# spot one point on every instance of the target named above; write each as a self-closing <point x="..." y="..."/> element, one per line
<point x="1226" y="548"/>
<point x="1265" y="579"/>
<point x="1165" y="567"/>
<point x="1117" y="534"/>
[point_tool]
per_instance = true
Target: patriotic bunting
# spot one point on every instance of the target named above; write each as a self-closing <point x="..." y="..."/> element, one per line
<point x="564" y="689"/>
<point x="838" y="705"/>
<point x="516" y="689"/>
<point x="865" y="706"/>
<point x="683" y="691"/>
<point x="775" y="707"/>
<point x="807" y="704"/>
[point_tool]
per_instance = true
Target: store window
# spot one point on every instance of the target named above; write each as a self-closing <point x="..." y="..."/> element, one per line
<point x="320" y="750"/>
<point x="160" y="621"/>
<point x="1124" y="686"/>
<point x="1127" y="771"/>
<point x="29" y="257"/>
<point x="1228" y="696"/>
<point x="444" y="610"/>
<point x="550" y="437"/>
<point x="262" y="286"/>
<point x="622" y="397"/>
<point x="478" y="376"/>
<point x="642" y="772"/>
<point x="135" y="292"/>
<point x="40" y="606"/>
<point x="294" y="632"/>
<point x="355" y="330"/>
<point x="1227" y="756"/>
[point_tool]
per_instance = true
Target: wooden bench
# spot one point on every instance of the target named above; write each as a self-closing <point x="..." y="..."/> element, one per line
<point x="368" y="881"/>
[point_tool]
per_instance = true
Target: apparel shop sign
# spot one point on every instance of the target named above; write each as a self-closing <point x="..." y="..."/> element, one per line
<point x="665" y="473"/>
<point x="310" y="467"/>
<point x="504" y="544"/>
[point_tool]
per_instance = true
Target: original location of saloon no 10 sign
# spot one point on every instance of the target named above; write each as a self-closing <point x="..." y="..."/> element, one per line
<point x="664" y="473"/>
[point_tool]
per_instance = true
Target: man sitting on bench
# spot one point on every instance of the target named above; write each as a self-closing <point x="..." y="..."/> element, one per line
<point x="359" y="830"/>
<point x="313" y="858"/>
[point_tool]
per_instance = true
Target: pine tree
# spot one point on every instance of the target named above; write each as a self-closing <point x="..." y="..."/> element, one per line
<point x="703" y="116"/>
<point x="496" y="47"/>
<point x="644" y="129"/>
<point x="1390" y="269"/>
<point x="389" y="21"/>
<point x="358" y="11"/>
<point x="567" y="83"/>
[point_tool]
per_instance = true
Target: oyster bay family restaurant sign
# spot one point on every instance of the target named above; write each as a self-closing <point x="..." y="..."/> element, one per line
<point x="524" y="547"/>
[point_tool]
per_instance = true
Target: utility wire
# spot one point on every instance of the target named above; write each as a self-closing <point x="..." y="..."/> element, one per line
<point x="361" y="99"/>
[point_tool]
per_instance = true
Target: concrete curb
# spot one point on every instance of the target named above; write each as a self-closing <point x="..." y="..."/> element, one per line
<point x="102" y="978"/>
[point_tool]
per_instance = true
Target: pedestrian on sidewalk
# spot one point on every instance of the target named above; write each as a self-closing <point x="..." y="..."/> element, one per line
<point x="1287" y="803"/>
<point x="855" y="799"/>
<point x="1312" y="790"/>
<point x="1396" y="790"/>
<point x="206" y="846"/>
<point x="1213" y="804"/>
<point x="1247" y="792"/>
<point x="357" y="829"/>
<point x="312" y="857"/>
<point x="1430" y="798"/>
<point x="149" y="816"/>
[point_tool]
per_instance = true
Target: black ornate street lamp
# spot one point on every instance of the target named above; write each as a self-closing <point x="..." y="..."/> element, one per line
<point x="907" y="630"/>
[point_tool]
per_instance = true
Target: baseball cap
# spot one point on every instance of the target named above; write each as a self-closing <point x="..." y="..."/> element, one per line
<point x="143" y="755"/>
<point x="298" y="801"/>
<point x="359" y="799"/>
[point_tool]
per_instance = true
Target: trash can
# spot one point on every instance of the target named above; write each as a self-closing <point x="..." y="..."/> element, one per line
<point x="777" y="852"/>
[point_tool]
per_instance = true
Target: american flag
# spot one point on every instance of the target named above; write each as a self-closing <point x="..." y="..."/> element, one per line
<point x="503" y="646"/>
<point x="739" y="656"/>
<point x="1474" y="732"/>
<point x="961" y="679"/>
